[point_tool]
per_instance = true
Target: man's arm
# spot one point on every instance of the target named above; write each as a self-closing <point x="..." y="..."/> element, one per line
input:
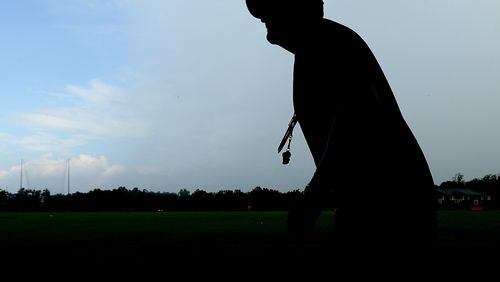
<point x="303" y="214"/>
<point x="321" y="183"/>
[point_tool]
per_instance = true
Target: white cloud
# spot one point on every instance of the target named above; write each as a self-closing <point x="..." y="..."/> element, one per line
<point x="97" y="110"/>
<point x="87" y="172"/>
<point x="9" y="172"/>
<point x="49" y="143"/>
<point x="46" y="166"/>
<point x="43" y="142"/>
<point x="106" y="29"/>
<point x="79" y="120"/>
<point x="98" y="93"/>
<point x="100" y="166"/>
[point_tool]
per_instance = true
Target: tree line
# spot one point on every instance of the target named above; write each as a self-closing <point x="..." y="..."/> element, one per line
<point x="123" y="199"/>
<point x="488" y="184"/>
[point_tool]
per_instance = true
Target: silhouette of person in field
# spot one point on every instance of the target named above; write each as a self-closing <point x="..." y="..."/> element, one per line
<point x="369" y="165"/>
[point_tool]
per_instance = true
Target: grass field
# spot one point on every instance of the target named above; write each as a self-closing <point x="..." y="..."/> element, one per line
<point x="136" y="237"/>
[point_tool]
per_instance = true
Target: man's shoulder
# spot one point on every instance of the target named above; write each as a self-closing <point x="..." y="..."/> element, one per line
<point x="339" y="30"/>
<point x="331" y="24"/>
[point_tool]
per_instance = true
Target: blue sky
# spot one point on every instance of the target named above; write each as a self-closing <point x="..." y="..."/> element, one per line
<point x="52" y="49"/>
<point x="175" y="94"/>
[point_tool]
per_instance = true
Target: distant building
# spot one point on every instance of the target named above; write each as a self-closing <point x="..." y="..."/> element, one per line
<point x="462" y="198"/>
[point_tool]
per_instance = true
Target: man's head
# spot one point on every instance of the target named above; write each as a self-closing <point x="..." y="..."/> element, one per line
<point x="286" y="20"/>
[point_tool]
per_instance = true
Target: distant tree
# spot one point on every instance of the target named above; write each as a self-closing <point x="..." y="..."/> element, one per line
<point x="45" y="198"/>
<point x="490" y="179"/>
<point x="4" y="195"/>
<point x="459" y="179"/>
<point x="199" y="194"/>
<point x="28" y="199"/>
<point x="184" y="193"/>
<point x="4" y="199"/>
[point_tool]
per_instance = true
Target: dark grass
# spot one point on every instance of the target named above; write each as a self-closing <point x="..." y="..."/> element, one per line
<point x="466" y="228"/>
<point x="160" y="227"/>
<point x="151" y="238"/>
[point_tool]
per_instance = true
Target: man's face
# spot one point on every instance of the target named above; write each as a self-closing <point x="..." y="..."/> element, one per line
<point x="281" y="30"/>
<point x="287" y="21"/>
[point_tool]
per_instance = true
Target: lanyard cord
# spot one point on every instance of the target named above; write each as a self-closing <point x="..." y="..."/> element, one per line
<point x="289" y="141"/>
<point x="288" y="133"/>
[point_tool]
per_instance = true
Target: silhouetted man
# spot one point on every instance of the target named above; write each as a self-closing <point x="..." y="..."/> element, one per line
<point x="367" y="160"/>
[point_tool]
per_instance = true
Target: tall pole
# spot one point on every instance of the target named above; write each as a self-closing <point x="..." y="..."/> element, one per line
<point x="21" y="179"/>
<point x="68" y="176"/>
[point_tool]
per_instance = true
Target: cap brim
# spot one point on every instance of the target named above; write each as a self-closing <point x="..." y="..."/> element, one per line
<point x="263" y="8"/>
<point x="267" y="8"/>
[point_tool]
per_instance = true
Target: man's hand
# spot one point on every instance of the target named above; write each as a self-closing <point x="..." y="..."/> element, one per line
<point x="301" y="218"/>
<point x="303" y="214"/>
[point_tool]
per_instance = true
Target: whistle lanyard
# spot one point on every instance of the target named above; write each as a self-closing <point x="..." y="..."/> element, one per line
<point x="288" y="134"/>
